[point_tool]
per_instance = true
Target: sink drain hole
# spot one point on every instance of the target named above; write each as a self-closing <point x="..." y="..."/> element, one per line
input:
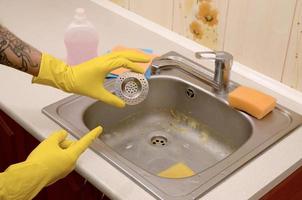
<point x="159" y="141"/>
<point x="190" y="93"/>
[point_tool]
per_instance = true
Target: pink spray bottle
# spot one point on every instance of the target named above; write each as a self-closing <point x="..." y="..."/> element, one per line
<point x="81" y="39"/>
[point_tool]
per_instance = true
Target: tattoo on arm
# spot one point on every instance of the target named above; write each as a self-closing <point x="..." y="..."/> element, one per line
<point x="17" y="54"/>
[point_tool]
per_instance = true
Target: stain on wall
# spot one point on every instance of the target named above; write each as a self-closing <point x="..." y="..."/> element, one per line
<point x="203" y="26"/>
<point x="200" y="20"/>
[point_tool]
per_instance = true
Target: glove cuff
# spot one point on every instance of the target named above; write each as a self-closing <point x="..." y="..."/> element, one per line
<point x="23" y="180"/>
<point x="54" y="72"/>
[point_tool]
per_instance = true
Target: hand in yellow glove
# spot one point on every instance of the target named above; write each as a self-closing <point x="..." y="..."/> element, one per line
<point x="50" y="161"/>
<point x="88" y="78"/>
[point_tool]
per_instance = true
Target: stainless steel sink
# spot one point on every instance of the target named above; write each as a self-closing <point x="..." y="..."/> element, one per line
<point x="182" y="120"/>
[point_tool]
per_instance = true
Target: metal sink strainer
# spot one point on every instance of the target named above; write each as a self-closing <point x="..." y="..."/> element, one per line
<point x="131" y="87"/>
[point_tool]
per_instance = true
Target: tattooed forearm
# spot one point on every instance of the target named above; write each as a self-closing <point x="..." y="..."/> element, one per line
<point x="17" y="54"/>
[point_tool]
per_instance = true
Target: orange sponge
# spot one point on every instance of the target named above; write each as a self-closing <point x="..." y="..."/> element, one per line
<point x="178" y="170"/>
<point x="122" y="70"/>
<point x="251" y="101"/>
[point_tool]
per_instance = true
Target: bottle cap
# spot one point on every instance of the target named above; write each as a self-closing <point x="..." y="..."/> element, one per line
<point x="80" y="14"/>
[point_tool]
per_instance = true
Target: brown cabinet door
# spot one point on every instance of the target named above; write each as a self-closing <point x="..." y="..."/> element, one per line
<point x="288" y="189"/>
<point x="15" y="144"/>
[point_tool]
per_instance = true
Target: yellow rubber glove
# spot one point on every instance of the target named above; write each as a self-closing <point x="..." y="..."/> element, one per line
<point x="51" y="160"/>
<point x="88" y="78"/>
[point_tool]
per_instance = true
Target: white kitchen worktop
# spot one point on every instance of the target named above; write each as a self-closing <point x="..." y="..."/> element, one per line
<point x="42" y="22"/>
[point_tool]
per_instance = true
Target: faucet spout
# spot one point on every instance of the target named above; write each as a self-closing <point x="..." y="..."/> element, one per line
<point x="219" y="80"/>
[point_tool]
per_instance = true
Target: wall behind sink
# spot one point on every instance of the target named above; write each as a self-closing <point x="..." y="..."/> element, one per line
<point x="262" y="34"/>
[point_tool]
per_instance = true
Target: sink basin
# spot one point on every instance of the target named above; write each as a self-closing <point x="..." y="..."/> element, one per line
<point x="163" y="131"/>
<point x="181" y="121"/>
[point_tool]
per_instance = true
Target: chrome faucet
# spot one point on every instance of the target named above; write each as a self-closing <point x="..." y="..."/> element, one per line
<point x="219" y="80"/>
<point x="223" y="64"/>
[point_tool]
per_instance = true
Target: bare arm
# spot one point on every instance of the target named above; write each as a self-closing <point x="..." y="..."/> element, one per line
<point x="17" y="54"/>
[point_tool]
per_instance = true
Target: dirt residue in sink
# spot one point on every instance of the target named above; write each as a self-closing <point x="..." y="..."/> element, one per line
<point x="184" y="124"/>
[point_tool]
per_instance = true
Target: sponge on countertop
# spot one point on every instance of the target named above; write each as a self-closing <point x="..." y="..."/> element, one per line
<point x="179" y="170"/>
<point x="251" y="101"/>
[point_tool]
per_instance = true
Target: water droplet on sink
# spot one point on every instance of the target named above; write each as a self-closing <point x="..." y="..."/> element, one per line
<point x="187" y="146"/>
<point x="129" y="146"/>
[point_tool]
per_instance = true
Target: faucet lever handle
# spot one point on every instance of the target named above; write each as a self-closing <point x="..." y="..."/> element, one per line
<point x="209" y="55"/>
<point x="222" y="59"/>
<point x="215" y="55"/>
<point x="223" y="64"/>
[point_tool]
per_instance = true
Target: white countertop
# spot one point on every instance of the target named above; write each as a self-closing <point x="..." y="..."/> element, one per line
<point x="42" y="23"/>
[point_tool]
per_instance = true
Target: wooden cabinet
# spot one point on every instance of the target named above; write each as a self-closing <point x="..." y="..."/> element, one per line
<point x="16" y="143"/>
<point x="288" y="189"/>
